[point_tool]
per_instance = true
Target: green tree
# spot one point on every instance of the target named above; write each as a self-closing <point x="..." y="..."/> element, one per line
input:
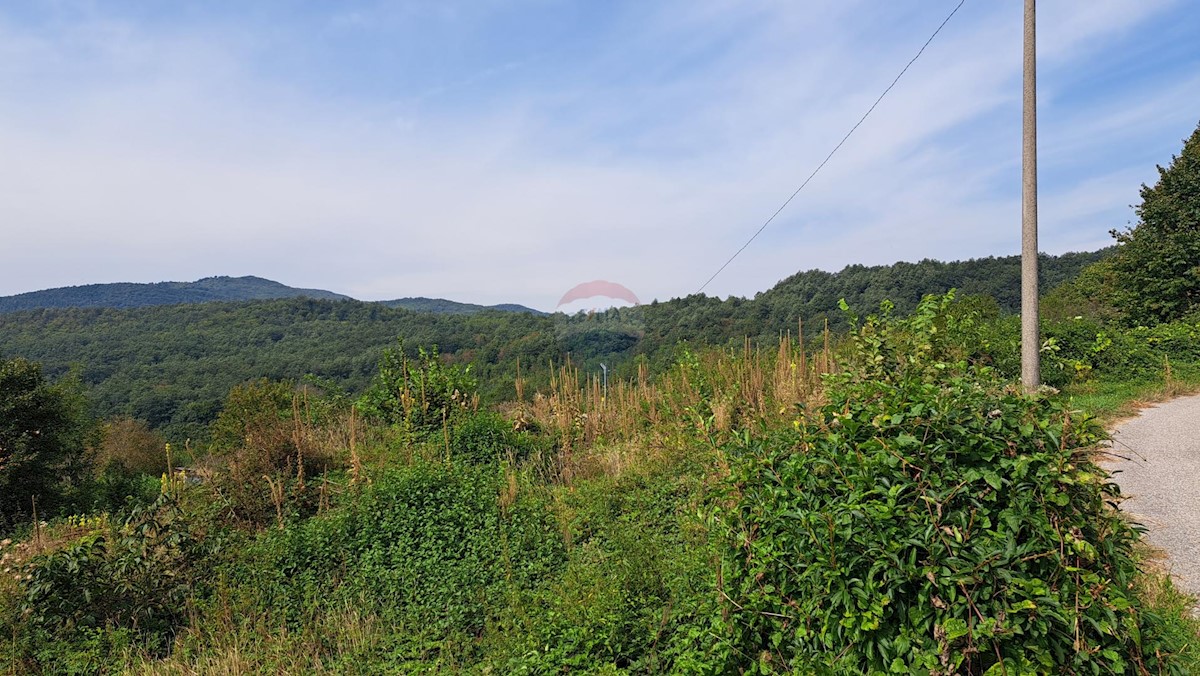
<point x="1157" y="266"/>
<point x="44" y="429"/>
<point x="420" y="395"/>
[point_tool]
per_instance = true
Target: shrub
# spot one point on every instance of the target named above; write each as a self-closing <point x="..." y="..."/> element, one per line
<point x="255" y="426"/>
<point x="486" y="437"/>
<point x="269" y="437"/>
<point x="636" y="593"/>
<point x="129" y="447"/>
<point x="1080" y="349"/>
<point x="419" y="395"/>
<point x="435" y="549"/>
<point x="44" y="429"/>
<point x="81" y="605"/>
<point x="928" y="520"/>
<point x="1178" y="341"/>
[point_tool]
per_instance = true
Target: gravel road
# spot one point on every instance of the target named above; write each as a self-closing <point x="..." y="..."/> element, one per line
<point x="1159" y="472"/>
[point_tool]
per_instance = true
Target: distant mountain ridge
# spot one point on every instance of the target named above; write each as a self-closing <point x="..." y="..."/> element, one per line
<point x="122" y="295"/>
<point x="443" y="306"/>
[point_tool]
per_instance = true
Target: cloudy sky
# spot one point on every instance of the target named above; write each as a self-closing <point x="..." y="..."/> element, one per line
<point x="504" y="150"/>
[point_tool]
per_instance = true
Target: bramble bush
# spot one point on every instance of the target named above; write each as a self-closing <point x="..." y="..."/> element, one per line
<point x="421" y="395"/>
<point x="1074" y="349"/>
<point x="433" y="548"/>
<point x="128" y="586"/>
<point x="635" y="595"/>
<point x="928" y="520"/>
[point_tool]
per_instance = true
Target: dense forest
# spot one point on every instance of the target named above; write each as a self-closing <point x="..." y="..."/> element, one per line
<point x="453" y="307"/>
<point x="128" y="294"/>
<point x="212" y="289"/>
<point x="171" y="365"/>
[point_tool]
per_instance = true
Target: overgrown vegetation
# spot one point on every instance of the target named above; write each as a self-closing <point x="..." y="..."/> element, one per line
<point x="886" y="504"/>
<point x="930" y="519"/>
<point x="1156" y="276"/>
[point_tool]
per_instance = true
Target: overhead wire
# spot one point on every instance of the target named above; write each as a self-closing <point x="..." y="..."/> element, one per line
<point x="835" y="148"/>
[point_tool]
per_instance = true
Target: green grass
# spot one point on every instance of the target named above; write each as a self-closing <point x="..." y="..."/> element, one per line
<point x="1176" y="607"/>
<point x="1111" y="400"/>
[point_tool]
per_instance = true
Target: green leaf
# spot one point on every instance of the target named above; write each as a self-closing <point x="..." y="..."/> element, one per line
<point x="954" y="628"/>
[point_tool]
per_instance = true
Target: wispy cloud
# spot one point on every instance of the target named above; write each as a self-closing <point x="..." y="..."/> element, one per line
<point x="643" y="143"/>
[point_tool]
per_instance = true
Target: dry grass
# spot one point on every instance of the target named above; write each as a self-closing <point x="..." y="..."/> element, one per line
<point x="229" y="645"/>
<point x="644" y="420"/>
<point x="44" y="538"/>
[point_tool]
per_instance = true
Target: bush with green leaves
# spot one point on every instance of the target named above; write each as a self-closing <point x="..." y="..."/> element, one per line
<point x="1079" y="349"/>
<point x="1178" y="341"/>
<point x="435" y="550"/>
<point x="929" y="520"/>
<point x="635" y="595"/>
<point x="44" y="432"/>
<point x="420" y="395"/>
<point x="126" y="586"/>
<point x="486" y="437"/>
<point x="1074" y="349"/>
<point x="260" y="452"/>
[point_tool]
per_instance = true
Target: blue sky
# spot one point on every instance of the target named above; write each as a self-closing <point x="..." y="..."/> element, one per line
<point x="492" y="151"/>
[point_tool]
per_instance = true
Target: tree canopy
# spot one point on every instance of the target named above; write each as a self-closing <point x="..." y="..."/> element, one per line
<point x="43" y="434"/>
<point x="1157" y="265"/>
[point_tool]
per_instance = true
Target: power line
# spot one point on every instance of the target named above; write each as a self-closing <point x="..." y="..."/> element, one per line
<point x="837" y="147"/>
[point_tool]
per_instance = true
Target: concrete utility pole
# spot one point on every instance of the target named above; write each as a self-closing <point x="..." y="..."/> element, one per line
<point x="1030" y="333"/>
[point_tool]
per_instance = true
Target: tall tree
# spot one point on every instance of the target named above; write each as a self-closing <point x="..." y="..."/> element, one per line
<point x="1157" y="265"/>
<point x="43" y="431"/>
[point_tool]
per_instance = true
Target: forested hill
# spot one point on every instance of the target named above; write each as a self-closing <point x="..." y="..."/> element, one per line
<point x="444" y="306"/>
<point x="172" y="365"/>
<point x="129" y="294"/>
<point x="210" y="289"/>
<point x="816" y="291"/>
<point x="813" y="296"/>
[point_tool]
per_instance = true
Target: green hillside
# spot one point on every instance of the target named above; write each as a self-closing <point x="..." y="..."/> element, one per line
<point x="814" y="291"/>
<point x="129" y="295"/>
<point x="442" y="305"/>
<point x="171" y="365"/>
<point x="212" y="289"/>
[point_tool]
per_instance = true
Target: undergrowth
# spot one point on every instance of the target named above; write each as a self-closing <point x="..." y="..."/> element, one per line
<point x="929" y="519"/>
